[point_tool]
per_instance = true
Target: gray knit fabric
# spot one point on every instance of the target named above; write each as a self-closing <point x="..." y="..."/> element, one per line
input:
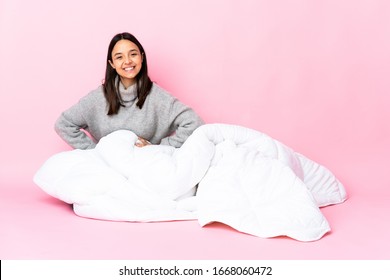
<point x="163" y="119"/>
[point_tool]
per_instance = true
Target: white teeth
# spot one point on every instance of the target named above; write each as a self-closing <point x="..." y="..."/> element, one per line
<point x="129" y="68"/>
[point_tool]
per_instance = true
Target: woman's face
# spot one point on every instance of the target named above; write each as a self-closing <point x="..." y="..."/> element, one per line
<point x="127" y="61"/>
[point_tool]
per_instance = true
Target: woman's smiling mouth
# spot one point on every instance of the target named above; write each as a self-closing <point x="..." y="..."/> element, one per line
<point x="128" y="69"/>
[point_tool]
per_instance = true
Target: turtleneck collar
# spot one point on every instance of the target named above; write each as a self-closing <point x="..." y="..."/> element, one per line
<point x="128" y="95"/>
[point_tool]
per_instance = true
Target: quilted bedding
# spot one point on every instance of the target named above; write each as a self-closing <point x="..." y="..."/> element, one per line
<point x="222" y="173"/>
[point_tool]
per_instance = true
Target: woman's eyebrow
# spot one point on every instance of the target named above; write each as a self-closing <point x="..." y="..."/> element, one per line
<point x="132" y="50"/>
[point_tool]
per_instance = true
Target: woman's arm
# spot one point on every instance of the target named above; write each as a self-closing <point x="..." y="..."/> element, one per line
<point x="70" y="127"/>
<point x="184" y="121"/>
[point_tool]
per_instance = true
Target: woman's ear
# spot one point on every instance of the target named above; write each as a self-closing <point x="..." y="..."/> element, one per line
<point x="112" y="64"/>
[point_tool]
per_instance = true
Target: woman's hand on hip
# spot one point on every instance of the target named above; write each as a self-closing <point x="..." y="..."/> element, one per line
<point x="141" y="142"/>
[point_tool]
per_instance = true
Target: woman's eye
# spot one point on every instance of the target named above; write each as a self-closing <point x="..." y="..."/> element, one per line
<point x="118" y="57"/>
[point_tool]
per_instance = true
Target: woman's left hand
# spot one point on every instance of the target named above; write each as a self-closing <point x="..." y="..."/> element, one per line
<point x="141" y="142"/>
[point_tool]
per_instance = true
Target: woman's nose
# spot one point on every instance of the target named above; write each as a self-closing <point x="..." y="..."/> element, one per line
<point x="127" y="60"/>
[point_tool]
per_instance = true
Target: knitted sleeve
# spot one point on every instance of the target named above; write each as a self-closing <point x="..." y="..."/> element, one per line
<point x="71" y="126"/>
<point x="184" y="121"/>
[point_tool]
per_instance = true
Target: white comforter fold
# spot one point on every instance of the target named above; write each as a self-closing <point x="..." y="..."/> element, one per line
<point x="224" y="173"/>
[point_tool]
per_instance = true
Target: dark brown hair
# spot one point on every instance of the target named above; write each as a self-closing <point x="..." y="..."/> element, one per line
<point x="111" y="84"/>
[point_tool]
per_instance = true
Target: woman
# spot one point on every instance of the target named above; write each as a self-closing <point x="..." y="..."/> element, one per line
<point x="129" y="100"/>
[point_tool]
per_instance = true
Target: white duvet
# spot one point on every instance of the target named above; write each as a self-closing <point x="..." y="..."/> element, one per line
<point x="222" y="173"/>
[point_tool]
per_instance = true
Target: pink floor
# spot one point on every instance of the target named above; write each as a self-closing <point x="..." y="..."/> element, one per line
<point x="37" y="226"/>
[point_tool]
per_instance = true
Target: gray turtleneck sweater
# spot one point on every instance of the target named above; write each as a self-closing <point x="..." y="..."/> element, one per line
<point x="163" y="119"/>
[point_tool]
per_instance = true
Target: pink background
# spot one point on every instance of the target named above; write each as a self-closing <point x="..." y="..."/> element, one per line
<point x="312" y="74"/>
